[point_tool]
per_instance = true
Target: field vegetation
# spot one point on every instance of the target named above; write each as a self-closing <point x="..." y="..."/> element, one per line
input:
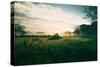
<point x="40" y="50"/>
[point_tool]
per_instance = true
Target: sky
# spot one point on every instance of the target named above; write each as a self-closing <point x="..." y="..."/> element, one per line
<point x="49" y="18"/>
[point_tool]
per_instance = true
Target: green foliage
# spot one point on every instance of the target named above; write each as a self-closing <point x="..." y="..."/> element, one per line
<point x="19" y="30"/>
<point x="94" y="28"/>
<point x="89" y="30"/>
<point x="85" y="29"/>
<point x="77" y="30"/>
<point x="55" y="36"/>
<point x="91" y="12"/>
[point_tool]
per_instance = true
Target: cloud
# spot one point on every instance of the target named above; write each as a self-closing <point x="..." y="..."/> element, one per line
<point x="46" y="18"/>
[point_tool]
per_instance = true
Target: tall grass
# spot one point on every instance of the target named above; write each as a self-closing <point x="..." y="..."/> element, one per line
<point x="39" y="50"/>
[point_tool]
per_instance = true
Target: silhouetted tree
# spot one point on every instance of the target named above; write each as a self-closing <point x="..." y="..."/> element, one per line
<point x="85" y="29"/>
<point x="54" y="37"/>
<point x="94" y="28"/>
<point x="91" y="13"/>
<point x="77" y="30"/>
<point x="19" y="30"/>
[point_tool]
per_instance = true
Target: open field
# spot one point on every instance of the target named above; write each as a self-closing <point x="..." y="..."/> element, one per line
<point x="40" y="50"/>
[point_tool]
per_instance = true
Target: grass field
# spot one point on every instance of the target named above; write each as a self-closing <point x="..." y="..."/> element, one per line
<point x="41" y="50"/>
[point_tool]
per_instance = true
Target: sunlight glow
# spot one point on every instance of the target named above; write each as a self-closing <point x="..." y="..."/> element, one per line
<point x="47" y="18"/>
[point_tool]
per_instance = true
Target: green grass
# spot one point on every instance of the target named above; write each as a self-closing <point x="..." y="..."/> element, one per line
<point x="41" y="50"/>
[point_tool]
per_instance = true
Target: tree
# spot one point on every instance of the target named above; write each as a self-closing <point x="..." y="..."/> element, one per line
<point x="77" y="30"/>
<point x="91" y="13"/>
<point x="19" y="30"/>
<point x="85" y="29"/>
<point x="54" y="37"/>
<point x="94" y="28"/>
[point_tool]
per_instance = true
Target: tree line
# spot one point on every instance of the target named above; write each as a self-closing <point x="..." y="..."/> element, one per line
<point x="88" y="30"/>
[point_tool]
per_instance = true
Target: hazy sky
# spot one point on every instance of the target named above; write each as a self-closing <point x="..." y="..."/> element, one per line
<point x="49" y="18"/>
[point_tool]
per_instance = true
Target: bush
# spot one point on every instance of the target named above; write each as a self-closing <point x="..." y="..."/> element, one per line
<point x="55" y="36"/>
